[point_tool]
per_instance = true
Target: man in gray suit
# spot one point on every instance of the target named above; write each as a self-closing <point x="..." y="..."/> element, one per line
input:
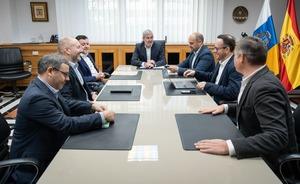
<point x="263" y="111"/>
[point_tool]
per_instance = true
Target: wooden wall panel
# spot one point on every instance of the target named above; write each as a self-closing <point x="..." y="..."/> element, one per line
<point x="33" y="52"/>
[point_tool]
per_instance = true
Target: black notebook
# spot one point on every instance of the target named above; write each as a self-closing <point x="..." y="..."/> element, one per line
<point x="119" y="136"/>
<point x="138" y="76"/>
<point x="196" y="127"/>
<point x="120" y="93"/>
<point x="172" y="91"/>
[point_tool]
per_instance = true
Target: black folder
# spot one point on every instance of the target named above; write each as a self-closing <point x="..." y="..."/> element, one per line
<point x="172" y="91"/>
<point x="196" y="127"/>
<point x="138" y="76"/>
<point x="120" y="93"/>
<point x="118" y="136"/>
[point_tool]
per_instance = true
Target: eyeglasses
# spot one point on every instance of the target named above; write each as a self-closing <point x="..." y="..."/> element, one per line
<point x="219" y="48"/>
<point x="66" y="74"/>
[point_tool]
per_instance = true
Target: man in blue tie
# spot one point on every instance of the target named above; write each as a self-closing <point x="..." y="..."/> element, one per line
<point x="200" y="58"/>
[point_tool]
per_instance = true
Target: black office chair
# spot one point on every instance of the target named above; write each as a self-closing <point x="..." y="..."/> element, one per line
<point x="8" y="165"/>
<point x="289" y="166"/>
<point x="162" y="43"/>
<point x="11" y="67"/>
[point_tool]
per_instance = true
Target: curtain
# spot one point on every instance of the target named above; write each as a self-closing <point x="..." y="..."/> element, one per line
<point x="123" y="21"/>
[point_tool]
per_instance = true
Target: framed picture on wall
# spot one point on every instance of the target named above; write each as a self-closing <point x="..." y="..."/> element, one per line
<point x="39" y="11"/>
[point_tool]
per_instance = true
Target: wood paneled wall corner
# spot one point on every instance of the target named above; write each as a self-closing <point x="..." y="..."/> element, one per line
<point x="33" y="52"/>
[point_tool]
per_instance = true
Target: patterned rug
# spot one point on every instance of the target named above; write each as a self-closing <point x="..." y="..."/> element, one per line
<point x="8" y="107"/>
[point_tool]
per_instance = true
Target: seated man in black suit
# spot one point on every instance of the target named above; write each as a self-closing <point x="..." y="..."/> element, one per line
<point x="90" y="73"/>
<point x="200" y="58"/>
<point x="75" y="88"/>
<point x="224" y="82"/>
<point x="263" y="111"/>
<point x="45" y="118"/>
<point x="149" y="53"/>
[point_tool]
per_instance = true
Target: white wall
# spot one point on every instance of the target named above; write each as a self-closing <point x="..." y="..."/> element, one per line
<point x="18" y="26"/>
<point x="6" y="22"/>
<point x="278" y="9"/>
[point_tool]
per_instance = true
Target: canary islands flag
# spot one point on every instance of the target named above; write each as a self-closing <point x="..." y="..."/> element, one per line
<point x="265" y="30"/>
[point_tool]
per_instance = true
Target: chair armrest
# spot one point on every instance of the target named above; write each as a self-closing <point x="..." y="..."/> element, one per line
<point x="12" y="163"/>
<point x="288" y="157"/>
<point x="292" y="169"/>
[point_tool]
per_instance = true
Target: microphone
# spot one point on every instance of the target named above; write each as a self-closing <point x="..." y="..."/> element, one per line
<point x="244" y="34"/>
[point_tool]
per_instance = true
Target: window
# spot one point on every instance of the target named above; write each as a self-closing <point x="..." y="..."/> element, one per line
<point x="123" y="21"/>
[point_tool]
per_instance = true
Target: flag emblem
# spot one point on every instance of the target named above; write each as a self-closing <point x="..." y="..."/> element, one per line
<point x="265" y="36"/>
<point x="286" y="45"/>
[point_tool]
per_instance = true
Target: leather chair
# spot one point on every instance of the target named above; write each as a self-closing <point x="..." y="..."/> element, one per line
<point x="11" y="67"/>
<point x="289" y="164"/>
<point x="8" y="165"/>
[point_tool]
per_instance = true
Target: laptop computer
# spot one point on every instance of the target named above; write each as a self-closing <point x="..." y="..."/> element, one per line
<point x="184" y="84"/>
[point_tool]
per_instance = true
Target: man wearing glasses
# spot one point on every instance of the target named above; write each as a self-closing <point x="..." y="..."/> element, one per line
<point x="45" y="118"/>
<point x="224" y="82"/>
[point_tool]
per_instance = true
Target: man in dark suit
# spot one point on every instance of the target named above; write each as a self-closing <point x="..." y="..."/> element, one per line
<point x="200" y="58"/>
<point x="90" y="73"/>
<point x="149" y="53"/>
<point x="76" y="88"/>
<point x="44" y="117"/>
<point x="263" y="111"/>
<point x="224" y="82"/>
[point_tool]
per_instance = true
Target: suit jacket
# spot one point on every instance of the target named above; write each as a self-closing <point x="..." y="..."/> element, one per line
<point x="264" y="117"/>
<point x="43" y="123"/>
<point x="157" y="54"/>
<point x="85" y="70"/>
<point x="74" y="90"/>
<point x="229" y="84"/>
<point x="204" y="62"/>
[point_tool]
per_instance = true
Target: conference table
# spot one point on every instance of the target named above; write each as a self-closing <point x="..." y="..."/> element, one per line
<point x="157" y="136"/>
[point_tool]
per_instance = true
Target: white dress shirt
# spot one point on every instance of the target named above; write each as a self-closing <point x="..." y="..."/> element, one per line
<point x="78" y="74"/>
<point x="90" y="64"/>
<point x="148" y="53"/>
<point x="221" y="68"/>
<point x="195" y="56"/>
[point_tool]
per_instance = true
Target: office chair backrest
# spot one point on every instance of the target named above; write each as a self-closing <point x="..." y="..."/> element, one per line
<point x="4" y="134"/>
<point x="162" y="43"/>
<point x="10" y="61"/>
<point x="7" y="165"/>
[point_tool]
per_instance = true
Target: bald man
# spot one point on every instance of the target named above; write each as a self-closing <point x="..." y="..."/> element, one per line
<point x="200" y="58"/>
<point x="76" y="88"/>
